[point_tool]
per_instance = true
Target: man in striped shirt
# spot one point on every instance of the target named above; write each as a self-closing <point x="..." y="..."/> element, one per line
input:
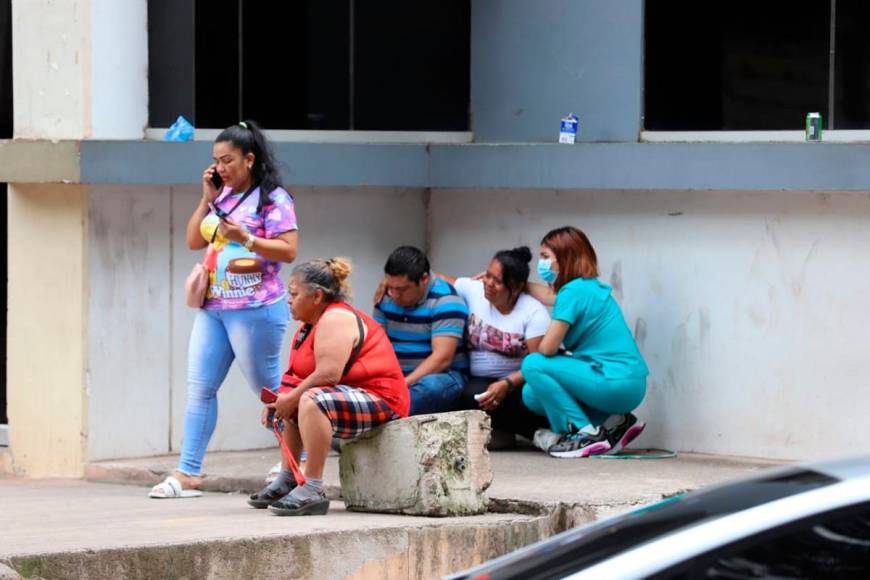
<point x="425" y="320"/>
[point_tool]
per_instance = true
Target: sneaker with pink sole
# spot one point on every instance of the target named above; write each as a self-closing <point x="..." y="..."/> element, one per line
<point x="581" y="444"/>
<point x="624" y="433"/>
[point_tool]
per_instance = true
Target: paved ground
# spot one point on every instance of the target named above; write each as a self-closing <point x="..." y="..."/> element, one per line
<point x="67" y="515"/>
<point x="523" y="475"/>
<point x="82" y="518"/>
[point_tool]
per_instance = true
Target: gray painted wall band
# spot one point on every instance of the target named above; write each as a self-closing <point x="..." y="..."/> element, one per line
<point x="731" y="166"/>
<point x="738" y="166"/>
<point x="157" y="162"/>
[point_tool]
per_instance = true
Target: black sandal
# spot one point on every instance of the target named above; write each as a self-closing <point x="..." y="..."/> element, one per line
<point x="266" y="497"/>
<point x="290" y="506"/>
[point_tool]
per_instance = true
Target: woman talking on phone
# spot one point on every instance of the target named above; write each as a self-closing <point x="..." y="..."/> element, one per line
<point x="247" y="220"/>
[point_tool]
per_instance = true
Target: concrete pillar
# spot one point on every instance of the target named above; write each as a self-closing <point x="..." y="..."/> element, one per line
<point x="532" y="63"/>
<point x="46" y="379"/>
<point x="80" y="69"/>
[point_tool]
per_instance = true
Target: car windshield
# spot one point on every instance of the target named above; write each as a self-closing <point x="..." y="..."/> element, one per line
<point x="580" y="548"/>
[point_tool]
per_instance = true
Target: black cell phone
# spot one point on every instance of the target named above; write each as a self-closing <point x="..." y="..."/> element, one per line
<point x="217" y="181"/>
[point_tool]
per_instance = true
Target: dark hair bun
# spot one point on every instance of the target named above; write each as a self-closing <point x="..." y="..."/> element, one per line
<point x="523" y="253"/>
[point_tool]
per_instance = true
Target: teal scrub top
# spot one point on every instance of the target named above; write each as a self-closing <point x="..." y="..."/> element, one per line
<point x="598" y="332"/>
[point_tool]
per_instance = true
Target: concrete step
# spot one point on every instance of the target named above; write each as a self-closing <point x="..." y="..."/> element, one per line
<point x="88" y="530"/>
<point x="83" y="530"/>
<point x="225" y="471"/>
<point x="526" y="476"/>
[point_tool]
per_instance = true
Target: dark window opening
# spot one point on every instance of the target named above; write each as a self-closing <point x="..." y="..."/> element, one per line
<point x="738" y="65"/>
<point x="5" y="133"/>
<point x="306" y="64"/>
<point x="295" y="64"/>
<point x="4" y="418"/>
<point x="5" y="69"/>
<point x="170" y="61"/>
<point x="852" y="65"/>
<point x="216" y="63"/>
<point x="412" y="65"/>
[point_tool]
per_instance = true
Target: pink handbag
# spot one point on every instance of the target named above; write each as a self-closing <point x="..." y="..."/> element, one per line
<point x="196" y="285"/>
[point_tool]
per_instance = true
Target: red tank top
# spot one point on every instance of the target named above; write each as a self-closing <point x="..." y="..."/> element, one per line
<point x="375" y="370"/>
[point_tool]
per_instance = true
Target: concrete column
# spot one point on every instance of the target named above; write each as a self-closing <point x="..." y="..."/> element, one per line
<point x="50" y="69"/>
<point x="119" y="69"/>
<point x="80" y="69"/>
<point x="47" y="329"/>
<point x="534" y="62"/>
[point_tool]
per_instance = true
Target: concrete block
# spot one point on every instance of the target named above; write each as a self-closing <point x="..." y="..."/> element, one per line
<point x="432" y="465"/>
<point x="7" y="573"/>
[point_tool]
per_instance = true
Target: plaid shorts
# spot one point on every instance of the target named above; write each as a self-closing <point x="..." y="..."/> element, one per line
<point x="351" y="411"/>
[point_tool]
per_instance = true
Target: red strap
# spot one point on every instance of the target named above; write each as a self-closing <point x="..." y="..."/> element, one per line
<point x="285" y="451"/>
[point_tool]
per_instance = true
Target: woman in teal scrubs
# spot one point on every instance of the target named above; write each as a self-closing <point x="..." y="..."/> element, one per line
<point x="588" y="390"/>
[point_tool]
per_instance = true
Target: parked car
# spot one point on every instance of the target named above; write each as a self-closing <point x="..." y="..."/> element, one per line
<point x="810" y="521"/>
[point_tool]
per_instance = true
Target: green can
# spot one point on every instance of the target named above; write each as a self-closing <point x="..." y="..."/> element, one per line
<point x="814" y="127"/>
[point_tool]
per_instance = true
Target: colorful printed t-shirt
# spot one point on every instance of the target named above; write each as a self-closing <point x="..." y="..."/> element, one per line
<point x="496" y="341"/>
<point x="598" y="332"/>
<point x="441" y="312"/>
<point x="239" y="278"/>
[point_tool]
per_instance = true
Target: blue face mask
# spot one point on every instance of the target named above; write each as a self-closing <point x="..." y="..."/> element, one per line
<point x="544" y="271"/>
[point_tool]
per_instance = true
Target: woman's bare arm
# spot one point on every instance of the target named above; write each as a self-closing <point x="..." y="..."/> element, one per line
<point x="541" y="292"/>
<point x="553" y="339"/>
<point x="195" y="240"/>
<point x="447" y="278"/>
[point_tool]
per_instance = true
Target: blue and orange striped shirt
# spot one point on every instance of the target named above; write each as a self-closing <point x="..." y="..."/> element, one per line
<point x="441" y="312"/>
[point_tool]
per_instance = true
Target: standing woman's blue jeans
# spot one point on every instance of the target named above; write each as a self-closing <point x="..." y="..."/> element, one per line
<point x="253" y="336"/>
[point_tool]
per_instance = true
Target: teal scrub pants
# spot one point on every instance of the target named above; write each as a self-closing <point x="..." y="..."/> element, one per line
<point x="570" y="391"/>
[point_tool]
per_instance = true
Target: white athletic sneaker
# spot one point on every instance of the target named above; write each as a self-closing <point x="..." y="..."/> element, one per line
<point x="544" y="439"/>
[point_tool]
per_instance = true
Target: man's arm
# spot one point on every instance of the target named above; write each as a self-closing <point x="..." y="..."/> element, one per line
<point x="443" y="349"/>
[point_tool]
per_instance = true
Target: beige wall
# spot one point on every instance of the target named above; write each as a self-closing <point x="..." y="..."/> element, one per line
<point x="46" y="328"/>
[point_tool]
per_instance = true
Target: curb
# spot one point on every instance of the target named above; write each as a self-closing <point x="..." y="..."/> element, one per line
<point x="569" y="514"/>
<point x="131" y="475"/>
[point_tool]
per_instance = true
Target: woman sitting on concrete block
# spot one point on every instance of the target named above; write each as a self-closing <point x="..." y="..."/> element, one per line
<point x="343" y="379"/>
<point x="588" y="390"/>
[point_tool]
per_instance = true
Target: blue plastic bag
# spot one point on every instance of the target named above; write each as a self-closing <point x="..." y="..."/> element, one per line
<point x="181" y="130"/>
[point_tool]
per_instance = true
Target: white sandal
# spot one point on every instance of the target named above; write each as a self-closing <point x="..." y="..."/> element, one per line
<point x="170" y="488"/>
